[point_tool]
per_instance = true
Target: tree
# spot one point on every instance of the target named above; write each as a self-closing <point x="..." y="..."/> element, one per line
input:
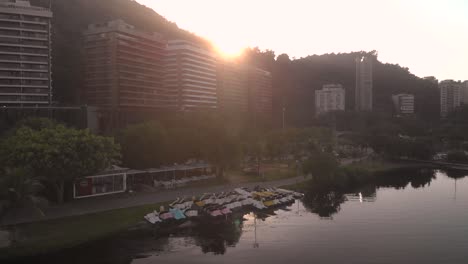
<point x="18" y="188"/>
<point x="217" y="147"/>
<point x="36" y="123"/>
<point x="144" y="146"/>
<point x="59" y="155"/>
<point x="321" y="165"/>
<point x="457" y="156"/>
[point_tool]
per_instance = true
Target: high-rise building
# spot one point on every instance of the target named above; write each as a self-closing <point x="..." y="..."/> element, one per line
<point x="191" y="73"/>
<point x="125" y="67"/>
<point x="403" y="103"/>
<point x="464" y="93"/>
<point x="330" y="98"/>
<point x="450" y="95"/>
<point x="260" y="93"/>
<point x="25" y="48"/>
<point x="364" y="83"/>
<point x="233" y="89"/>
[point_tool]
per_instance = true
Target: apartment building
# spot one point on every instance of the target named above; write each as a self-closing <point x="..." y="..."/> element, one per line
<point x="450" y="96"/>
<point x="191" y="73"/>
<point x="25" y="54"/>
<point x="233" y="90"/>
<point x="364" y="84"/>
<point x="403" y="104"/>
<point x="125" y="68"/>
<point x="330" y="98"/>
<point x="260" y="93"/>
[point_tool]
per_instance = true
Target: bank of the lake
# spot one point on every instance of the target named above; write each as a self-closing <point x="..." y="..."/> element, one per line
<point x="405" y="216"/>
<point x="53" y="235"/>
<point x="366" y="170"/>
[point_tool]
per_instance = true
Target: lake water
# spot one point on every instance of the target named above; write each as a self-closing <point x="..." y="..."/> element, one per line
<point x="410" y="217"/>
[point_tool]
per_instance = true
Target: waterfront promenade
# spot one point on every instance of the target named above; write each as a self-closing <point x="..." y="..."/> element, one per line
<point x="105" y="203"/>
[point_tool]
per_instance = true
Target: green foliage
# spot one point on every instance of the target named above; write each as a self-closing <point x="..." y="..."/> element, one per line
<point x="18" y="188"/>
<point x="293" y="141"/>
<point x="52" y="235"/>
<point x="321" y="165"/>
<point x="36" y="123"/>
<point x="196" y="137"/>
<point x="457" y="156"/>
<point x="58" y="154"/>
<point x="144" y="146"/>
<point x="396" y="147"/>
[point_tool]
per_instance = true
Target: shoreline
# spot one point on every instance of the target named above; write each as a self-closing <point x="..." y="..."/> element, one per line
<point x="368" y="169"/>
<point x="46" y="236"/>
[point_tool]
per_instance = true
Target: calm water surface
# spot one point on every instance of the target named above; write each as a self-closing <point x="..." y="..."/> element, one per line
<point x="411" y="217"/>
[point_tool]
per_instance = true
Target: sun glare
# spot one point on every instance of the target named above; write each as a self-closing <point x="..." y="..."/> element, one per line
<point x="229" y="50"/>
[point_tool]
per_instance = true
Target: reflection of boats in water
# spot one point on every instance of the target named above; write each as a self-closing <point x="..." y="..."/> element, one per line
<point x="217" y="207"/>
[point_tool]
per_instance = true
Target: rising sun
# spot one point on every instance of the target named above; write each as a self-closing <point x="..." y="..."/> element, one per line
<point x="229" y="50"/>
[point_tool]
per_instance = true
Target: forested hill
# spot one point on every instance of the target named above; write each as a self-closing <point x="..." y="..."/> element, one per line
<point x="71" y="17"/>
<point x="295" y="82"/>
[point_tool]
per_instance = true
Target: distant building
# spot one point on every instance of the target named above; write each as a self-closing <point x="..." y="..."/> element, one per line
<point x="25" y="54"/>
<point x="450" y="96"/>
<point x="432" y="79"/>
<point x="260" y="93"/>
<point x="330" y="98"/>
<point x="403" y="103"/>
<point x="124" y="67"/>
<point x="464" y="93"/>
<point x="233" y="88"/>
<point x="245" y="89"/>
<point x="191" y="73"/>
<point x="364" y="84"/>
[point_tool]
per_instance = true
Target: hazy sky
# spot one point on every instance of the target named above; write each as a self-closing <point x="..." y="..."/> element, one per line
<point x="430" y="37"/>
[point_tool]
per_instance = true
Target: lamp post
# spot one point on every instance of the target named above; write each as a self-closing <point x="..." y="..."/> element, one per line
<point x="284" y="111"/>
<point x="174" y="175"/>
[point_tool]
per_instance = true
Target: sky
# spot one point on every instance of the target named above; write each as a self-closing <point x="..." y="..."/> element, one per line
<point x="430" y="37"/>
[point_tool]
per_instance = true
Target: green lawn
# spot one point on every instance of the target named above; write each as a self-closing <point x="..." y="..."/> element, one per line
<point x="45" y="236"/>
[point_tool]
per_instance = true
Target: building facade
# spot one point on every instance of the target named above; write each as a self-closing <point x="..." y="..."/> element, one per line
<point x="260" y="94"/>
<point x="25" y="54"/>
<point x="191" y="74"/>
<point x="233" y="92"/>
<point x="125" y="68"/>
<point x="403" y="104"/>
<point x="464" y="93"/>
<point x="364" y="84"/>
<point x="330" y="98"/>
<point x="450" y="96"/>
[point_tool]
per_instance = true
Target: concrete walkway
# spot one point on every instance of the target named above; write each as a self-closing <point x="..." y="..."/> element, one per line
<point x="105" y="203"/>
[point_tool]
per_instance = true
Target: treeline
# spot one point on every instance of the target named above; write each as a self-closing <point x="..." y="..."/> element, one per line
<point x="409" y="136"/>
<point x="209" y="137"/>
<point x="40" y="157"/>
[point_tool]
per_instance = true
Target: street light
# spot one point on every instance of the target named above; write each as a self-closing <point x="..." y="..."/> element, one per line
<point x="284" y="111"/>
